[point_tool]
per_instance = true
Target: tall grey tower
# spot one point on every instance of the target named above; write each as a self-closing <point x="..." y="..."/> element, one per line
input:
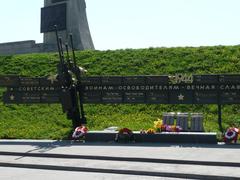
<point x="70" y="17"/>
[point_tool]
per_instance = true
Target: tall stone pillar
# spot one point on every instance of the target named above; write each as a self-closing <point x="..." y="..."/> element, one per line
<point x="70" y="17"/>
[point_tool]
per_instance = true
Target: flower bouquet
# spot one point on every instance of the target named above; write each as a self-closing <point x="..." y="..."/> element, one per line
<point x="160" y="127"/>
<point x="150" y="131"/>
<point x="173" y="128"/>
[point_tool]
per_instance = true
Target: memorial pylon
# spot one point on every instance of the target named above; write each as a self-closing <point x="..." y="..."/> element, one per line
<point x="70" y="17"/>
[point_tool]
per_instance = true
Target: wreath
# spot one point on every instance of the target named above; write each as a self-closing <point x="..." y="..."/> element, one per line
<point x="231" y="135"/>
<point x="79" y="132"/>
<point x="124" y="135"/>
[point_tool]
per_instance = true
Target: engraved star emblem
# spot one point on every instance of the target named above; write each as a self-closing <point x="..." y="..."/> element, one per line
<point x="12" y="97"/>
<point x="52" y="78"/>
<point x="180" y="97"/>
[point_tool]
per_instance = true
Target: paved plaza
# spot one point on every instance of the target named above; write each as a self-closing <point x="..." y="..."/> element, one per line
<point x="26" y="159"/>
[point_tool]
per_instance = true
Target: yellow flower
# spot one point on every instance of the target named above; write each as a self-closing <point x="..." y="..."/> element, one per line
<point x="158" y="123"/>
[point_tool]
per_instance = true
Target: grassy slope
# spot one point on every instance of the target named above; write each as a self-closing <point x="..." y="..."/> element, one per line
<point x="47" y="121"/>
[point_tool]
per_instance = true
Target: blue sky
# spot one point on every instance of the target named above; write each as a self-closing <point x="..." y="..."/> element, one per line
<point x="120" y="24"/>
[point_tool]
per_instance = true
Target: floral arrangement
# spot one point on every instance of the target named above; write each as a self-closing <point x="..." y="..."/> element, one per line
<point x="158" y="127"/>
<point x="150" y="131"/>
<point x="124" y="135"/>
<point x="231" y="135"/>
<point x="79" y="132"/>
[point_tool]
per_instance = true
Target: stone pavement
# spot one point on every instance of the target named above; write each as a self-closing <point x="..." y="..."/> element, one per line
<point x="27" y="159"/>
